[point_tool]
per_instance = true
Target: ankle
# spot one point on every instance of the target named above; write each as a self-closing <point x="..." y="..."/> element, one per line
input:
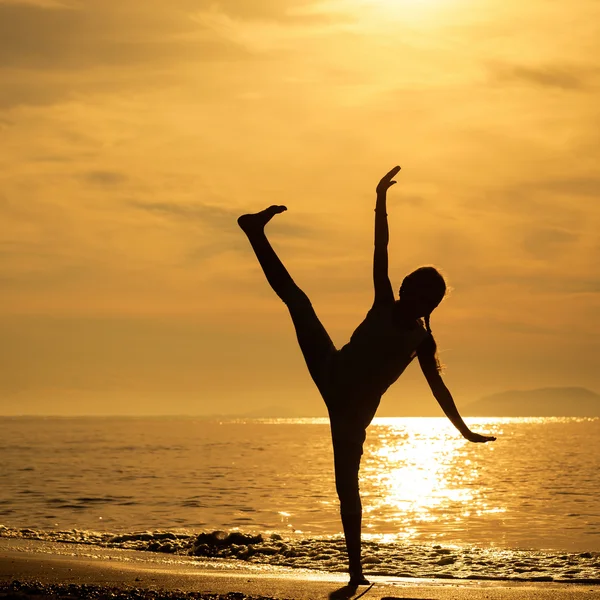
<point x="355" y="572"/>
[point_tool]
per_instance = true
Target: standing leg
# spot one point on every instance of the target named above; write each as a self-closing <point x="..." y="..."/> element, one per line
<point x="346" y="457"/>
<point x="315" y="343"/>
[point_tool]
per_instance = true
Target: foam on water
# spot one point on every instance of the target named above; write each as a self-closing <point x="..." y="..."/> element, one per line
<point x="395" y="559"/>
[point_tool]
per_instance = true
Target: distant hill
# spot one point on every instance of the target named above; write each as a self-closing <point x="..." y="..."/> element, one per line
<point x="543" y="402"/>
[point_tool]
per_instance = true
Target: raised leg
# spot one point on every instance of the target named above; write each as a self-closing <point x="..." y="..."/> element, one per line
<point x="346" y="456"/>
<point x="315" y="343"/>
<point x="253" y="225"/>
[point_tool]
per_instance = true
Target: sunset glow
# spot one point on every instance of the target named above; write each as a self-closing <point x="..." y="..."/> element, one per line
<point x="134" y="134"/>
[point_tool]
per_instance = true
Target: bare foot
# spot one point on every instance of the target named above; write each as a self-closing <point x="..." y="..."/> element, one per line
<point x="257" y="221"/>
<point x="358" y="579"/>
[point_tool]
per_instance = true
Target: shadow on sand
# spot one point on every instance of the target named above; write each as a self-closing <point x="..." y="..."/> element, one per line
<point x="348" y="591"/>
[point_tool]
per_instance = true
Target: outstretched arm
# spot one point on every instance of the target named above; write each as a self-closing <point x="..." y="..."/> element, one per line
<point x="429" y="366"/>
<point x="381" y="280"/>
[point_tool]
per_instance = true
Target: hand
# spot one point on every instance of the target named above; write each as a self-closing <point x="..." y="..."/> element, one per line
<point x="478" y="438"/>
<point x="386" y="181"/>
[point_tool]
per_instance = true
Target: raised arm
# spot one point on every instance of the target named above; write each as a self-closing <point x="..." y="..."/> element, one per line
<point x="429" y="366"/>
<point x="381" y="280"/>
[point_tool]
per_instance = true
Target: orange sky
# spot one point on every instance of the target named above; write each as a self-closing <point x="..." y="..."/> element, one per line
<point x="134" y="132"/>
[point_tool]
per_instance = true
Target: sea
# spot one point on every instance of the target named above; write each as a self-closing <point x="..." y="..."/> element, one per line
<point x="525" y="507"/>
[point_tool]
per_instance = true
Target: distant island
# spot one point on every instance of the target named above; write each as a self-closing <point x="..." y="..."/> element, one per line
<point x="541" y="402"/>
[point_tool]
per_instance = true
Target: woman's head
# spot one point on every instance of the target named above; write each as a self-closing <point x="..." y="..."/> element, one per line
<point x="421" y="291"/>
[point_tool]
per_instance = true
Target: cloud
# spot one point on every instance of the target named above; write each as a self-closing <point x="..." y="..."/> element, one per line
<point x="297" y="11"/>
<point x="115" y="34"/>
<point x="38" y="3"/>
<point x="546" y="243"/>
<point x="42" y="34"/>
<point x="219" y="217"/>
<point x="525" y="279"/>
<point x="105" y="177"/>
<point x="19" y="89"/>
<point x="51" y="51"/>
<point x="568" y="78"/>
<point x="283" y="30"/>
<point x="51" y="54"/>
<point x="195" y="211"/>
<point x="577" y="186"/>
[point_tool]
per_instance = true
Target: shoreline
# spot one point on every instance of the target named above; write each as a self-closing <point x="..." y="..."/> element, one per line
<point x="56" y="571"/>
<point x="257" y="551"/>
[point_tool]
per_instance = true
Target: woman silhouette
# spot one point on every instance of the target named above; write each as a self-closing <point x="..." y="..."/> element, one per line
<point x="353" y="379"/>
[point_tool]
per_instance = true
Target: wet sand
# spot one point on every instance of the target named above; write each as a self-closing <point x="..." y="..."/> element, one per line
<point x="26" y="573"/>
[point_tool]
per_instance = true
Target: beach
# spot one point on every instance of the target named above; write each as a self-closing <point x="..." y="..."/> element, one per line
<point x="43" y="570"/>
<point x="124" y="508"/>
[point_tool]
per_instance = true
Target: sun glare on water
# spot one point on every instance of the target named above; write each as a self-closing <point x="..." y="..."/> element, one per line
<point x="421" y="474"/>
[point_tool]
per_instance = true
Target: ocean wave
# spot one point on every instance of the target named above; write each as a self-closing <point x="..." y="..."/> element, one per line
<point x="395" y="559"/>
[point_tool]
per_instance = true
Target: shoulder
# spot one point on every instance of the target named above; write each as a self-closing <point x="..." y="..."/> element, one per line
<point x="381" y="310"/>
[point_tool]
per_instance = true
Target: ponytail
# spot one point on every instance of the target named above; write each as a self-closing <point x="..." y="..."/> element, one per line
<point x="427" y="323"/>
<point x="433" y="344"/>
